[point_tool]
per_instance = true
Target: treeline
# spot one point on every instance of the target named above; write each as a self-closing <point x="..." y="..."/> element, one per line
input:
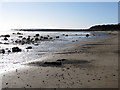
<point x="112" y="27"/>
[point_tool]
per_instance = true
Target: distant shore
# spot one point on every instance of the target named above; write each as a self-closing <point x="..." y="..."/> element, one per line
<point x="92" y="64"/>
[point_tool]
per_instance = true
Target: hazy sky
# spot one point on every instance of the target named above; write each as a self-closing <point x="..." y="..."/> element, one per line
<point x="58" y="14"/>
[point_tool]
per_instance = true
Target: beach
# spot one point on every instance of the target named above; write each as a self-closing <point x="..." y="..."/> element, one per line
<point x="91" y="64"/>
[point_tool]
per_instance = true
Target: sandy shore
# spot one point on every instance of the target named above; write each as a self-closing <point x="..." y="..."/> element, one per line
<point x="84" y="65"/>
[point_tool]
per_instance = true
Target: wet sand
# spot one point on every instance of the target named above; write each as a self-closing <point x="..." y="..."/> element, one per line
<point x="82" y="65"/>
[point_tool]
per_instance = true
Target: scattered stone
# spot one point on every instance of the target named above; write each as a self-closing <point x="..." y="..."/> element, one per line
<point x="57" y="36"/>
<point x="16" y="49"/>
<point x="6" y="43"/>
<point x="88" y="80"/>
<point x="6" y="83"/>
<point x="19" y="33"/>
<point x="51" y="38"/>
<point x="45" y="37"/>
<point x="36" y="39"/>
<point x="29" y="47"/>
<point x="87" y="35"/>
<point x="9" y="51"/>
<point x="7" y="35"/>
<point x="2" y="51"/>
<point x="114" y="75"/>
<point x="5" y="39"/>
<point x="37" y="35"/>
<point x="20" y="36"/>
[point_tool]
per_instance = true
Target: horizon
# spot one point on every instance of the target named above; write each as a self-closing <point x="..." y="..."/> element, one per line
<point x="60" y="15"/>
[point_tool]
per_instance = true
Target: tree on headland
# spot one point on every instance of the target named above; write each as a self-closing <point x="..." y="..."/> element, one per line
<point x="106" y="27"/>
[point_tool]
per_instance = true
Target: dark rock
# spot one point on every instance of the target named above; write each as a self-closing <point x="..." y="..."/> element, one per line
<point x="7" y="35"/>
<point x="19" y="33"/>
<point x="66" y="35"/>
<point x="36" y="39"/>
<point x="29" y="36"/>
<point x="51" y="38"/>
<point x="16" y="49"/>
<point x="20" y="36"/>
<point x="24" y="38"/>
<point x="9" y="51"/>
<point x="37" y="35"/>
<point x="5" y="39"/>
<point x="28" y="39"/>
<point x="48" y="36"/>
<point x="87" y="35"/>
<point x="6" y="43"/>
<point x="41" y="36"/>
<point x="29" y="47"/>
<point x="2" y="51"/>
<point x="45" y="37"/>
<point x="57" y="36"/>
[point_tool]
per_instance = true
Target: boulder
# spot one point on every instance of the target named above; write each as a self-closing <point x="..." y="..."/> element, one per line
<point x="29" y="47"/>
<point x="37" y="35"/>
<point x="16" y="49"/>
<point x="57" y="36"/>
<point x="2" y="51"/>
<point x="19" y="33"/>
<point x="7" y="35"/>
<point x="9" y="51"/>
<point x="36" y="39"/>
<point x="5" y="39"/>
<point x="45" y="37"/>
<point x="87" y="35"/>
<point x="51" y="38"/>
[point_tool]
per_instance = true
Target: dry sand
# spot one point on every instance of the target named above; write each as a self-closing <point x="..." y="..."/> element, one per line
<point x="87" y="65"/>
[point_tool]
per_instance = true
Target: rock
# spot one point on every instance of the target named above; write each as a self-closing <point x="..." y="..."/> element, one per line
<point x="19" y="33"/>
<point x="57" y="36"/>
<point x="9" y="51"/>
<point x="28" y="39"/>
<point x="6" y="43"/>
<point x="51" y="38"/>
<point x="37" y="35"/>
<point x="45" y="37"/>
<point x="48" y="36"/>
<point x="7" y="35"/>
<point x="20" y="36"/>
<point x="24" y="38"/>
<point x="29" y="47"/>
<point x="87" y="35"/>
<point x="16" y="49"/>
<point x="2" y="51"/>
<point x="66" y="35"/>
<point x="36" y="39"/>
<point x="41" y="36"/>
<point x="5" y="39"/>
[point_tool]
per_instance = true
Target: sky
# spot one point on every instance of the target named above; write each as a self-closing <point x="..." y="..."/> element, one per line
<point x="57" y="14"/>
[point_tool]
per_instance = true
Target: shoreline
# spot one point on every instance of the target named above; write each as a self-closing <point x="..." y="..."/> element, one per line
<point x="91" y="64"/>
